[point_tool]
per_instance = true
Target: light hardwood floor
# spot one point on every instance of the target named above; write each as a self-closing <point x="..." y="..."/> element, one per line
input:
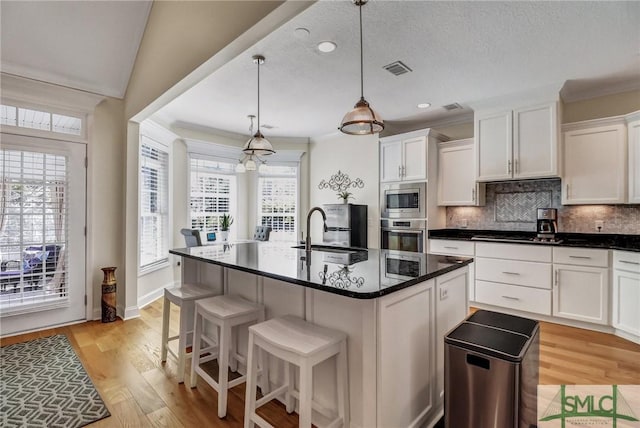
<point x="123" y="360"/>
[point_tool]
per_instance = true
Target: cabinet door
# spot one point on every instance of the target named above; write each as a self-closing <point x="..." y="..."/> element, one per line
<point x="414" y="159"/>
<point x="493" y="143"/>
<point x="626" y="301"/>
<point x="595" y="166"/>
<point x="456" y="174"/>
<point x="581" y="293"/>
<point x="634" y="161"/>
<point x="390" y="161"/>
<point x="535" y="141"/>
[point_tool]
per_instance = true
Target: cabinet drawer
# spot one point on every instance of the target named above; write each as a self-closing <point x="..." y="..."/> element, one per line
<point x="516" y="272"/>
<point x="514" y="297"/>
<point x="451" y="247"/>
<point x="626" y="260"/>
<point x="581" y="256"/>
<point x="530" y="253"/>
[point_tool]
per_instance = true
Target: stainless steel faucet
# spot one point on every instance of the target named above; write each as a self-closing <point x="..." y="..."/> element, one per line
<point x="307" y="242"/>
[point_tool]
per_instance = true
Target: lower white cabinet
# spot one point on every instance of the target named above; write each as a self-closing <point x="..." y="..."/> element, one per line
<point x="451" y="247"/>
<point x="581" y="284"/>
<point x="529" y="299"/>
<point x="626" y="294"/>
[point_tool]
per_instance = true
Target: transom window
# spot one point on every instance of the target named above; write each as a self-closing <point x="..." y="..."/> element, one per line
<point x="278" y="201"/>
<point x="40" y="120"/>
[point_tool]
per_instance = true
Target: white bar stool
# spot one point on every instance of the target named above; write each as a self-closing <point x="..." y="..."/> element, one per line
<point x="183" y="296"/>
<point x="305" y="345"/>
<point x="225" y="312"/>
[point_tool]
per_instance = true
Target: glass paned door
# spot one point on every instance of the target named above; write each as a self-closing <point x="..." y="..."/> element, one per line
<point x="42" y="243"/>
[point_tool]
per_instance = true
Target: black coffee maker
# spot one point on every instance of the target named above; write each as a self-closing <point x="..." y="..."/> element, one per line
<point x="547" y="226"/>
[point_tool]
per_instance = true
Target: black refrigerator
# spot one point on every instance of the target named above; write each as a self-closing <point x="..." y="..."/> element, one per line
<point x="346" y="225"/>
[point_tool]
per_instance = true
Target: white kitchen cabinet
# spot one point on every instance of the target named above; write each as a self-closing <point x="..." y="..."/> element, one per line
<point x="457" y="184"/>
<point x="450" y="247"/>
<point x="517" y="143"/>
<point x="626" y="294"/>
<point x="595" y="162"/>
<point x="581" y="286"/>
<point x="403" y="160"/>
<point x="633" y="135"/>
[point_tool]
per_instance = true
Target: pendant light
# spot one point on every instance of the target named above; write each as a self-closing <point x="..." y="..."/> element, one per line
<point x="362" y="120"/>
<point x="258" y="145"/>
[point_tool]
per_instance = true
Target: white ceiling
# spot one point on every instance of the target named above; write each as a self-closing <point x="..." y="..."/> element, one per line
<point x="87" y="45"/>
<point x="459" y="52"/>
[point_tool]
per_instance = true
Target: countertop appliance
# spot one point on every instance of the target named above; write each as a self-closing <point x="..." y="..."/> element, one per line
<point x="404" y="235"/>
<point x="547" y="225"/>
<point x="346" y="225"/>
<point x="491" y="372"/>
<point x="403" y="200"/>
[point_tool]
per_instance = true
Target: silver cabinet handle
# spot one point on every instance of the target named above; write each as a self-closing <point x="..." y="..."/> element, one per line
<point x="511" y="273"/>
<point x="510" y="298"/>
<point x="567" y="191"/>
<point x="404" y="170"/>
<point x="629" y="263"/>
<point x="556" y="279"/>
<point x="473" y="195"/>
<point x="579" y="257"/>
<point x="509" y="167"/>
<point x="399" y="171"/>
<point x="451" y="248"/>
<point x="516" y="162"/>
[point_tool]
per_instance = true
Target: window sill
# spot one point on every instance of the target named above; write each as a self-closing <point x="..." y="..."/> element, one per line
<point x="152" y="268"/>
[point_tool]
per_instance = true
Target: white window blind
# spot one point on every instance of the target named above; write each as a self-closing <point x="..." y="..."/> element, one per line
<point x="212" y="194"/>
<point x="278" y="200"/>
<point x="33" y="229"/>
<point x="154" y="204"/>
<point x="40" y="120"/>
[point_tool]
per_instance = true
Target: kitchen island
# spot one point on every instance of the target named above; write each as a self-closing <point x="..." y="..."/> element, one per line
<point x="395" y="308"/>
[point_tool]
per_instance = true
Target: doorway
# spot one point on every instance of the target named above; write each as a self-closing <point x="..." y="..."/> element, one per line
<point x="42" y="233"/>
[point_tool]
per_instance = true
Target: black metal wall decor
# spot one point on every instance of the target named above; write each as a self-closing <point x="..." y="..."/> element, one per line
<point x="340" y="182"/>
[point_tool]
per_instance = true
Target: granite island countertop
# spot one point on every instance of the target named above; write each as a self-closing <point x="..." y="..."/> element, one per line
<point x="584" y="240"/>
<point x="360" y="274"/>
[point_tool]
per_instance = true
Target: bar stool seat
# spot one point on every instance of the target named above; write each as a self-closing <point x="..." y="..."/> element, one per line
<point x="225" y="312"/>
<point x="183" y="296"/>
<point x="303" y="344"/>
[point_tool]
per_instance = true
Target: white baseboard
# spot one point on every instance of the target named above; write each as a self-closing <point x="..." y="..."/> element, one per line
<point x="127" y="313"/>
<point x="149" y="298"/>
<point x="97" y="314"/>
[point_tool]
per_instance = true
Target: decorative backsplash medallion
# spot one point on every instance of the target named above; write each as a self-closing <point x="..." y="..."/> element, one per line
<point x="511" y="205"/>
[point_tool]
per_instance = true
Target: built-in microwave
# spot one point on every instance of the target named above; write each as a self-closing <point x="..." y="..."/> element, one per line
<point x="403" y="200"/>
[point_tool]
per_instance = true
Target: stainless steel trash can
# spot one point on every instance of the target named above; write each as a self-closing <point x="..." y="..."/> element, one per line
<point x="491" y="372"/>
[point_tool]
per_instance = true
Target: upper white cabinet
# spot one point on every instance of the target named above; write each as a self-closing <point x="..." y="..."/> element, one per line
<point x="633" y="133"/>
<point x="517" y="143"/>
<point x="403" y="160"/>
<point x="456" y="175"/>
<point x="595" y="162"/>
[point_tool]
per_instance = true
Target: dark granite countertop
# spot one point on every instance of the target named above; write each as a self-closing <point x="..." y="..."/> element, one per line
<point x="585" y="240"/>
<point x="363" y="274"/>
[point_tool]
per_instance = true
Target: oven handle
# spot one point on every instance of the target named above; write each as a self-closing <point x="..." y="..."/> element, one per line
<point x="414" y="231"/>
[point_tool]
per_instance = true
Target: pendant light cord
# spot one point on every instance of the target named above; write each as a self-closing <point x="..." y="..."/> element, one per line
<point x="258" y="95"/>
<point x="361" y="56"/>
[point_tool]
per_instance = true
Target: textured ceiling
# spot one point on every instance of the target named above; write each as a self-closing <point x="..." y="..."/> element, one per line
<point x="458" y="51"/>
<point x="88" y="45"/>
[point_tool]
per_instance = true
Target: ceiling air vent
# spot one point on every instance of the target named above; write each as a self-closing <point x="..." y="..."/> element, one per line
<point x="267" y="126"/>
<point x="454" y="106"/>
<point x="397" y="68"/>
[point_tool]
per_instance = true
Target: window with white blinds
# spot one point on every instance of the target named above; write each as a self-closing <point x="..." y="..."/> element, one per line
<point x="278" y="201"/>
<point x="40" y="120"/>
<point x="213" y="193"/>
<point x="154" y="204"/>
<point x="33" y="229"/>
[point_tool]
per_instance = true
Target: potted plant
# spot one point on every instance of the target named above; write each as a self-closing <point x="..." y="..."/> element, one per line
<point x="225" y="222"/>
<point x="345" y="196"/>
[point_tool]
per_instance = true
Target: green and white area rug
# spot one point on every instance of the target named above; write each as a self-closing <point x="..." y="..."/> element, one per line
<point x="43" y="384"/>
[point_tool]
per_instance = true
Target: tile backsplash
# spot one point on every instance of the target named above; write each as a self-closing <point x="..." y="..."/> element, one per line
<point x="511" y="205"/>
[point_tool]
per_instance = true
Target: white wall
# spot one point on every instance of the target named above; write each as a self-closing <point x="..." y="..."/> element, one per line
<point x="356" y="156"/>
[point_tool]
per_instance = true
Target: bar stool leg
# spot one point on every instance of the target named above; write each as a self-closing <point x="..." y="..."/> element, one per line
<point x="182" y="342"/>
<point x="251" y="385"/>
<point x="289" y="380"/>
<point x="342" y="372"/>
<point x="306" y="391"/>
<point x="166" y="310"/>
<point x="223" y="364"/>
<point x="233" y="362"/>
<point x="195" y="355"/>
<point x="265" y="387"/>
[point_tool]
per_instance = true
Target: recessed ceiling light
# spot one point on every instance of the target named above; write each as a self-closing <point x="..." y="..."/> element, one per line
<point x="424" y="105"/>
<point x="301" y="32"/>
<point x="327" y="47"/>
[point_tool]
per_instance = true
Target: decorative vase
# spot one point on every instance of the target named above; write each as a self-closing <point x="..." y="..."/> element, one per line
<point x="109" y="294"/>
<point x="224" y="235"/>
<point x="345" y="201"/>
